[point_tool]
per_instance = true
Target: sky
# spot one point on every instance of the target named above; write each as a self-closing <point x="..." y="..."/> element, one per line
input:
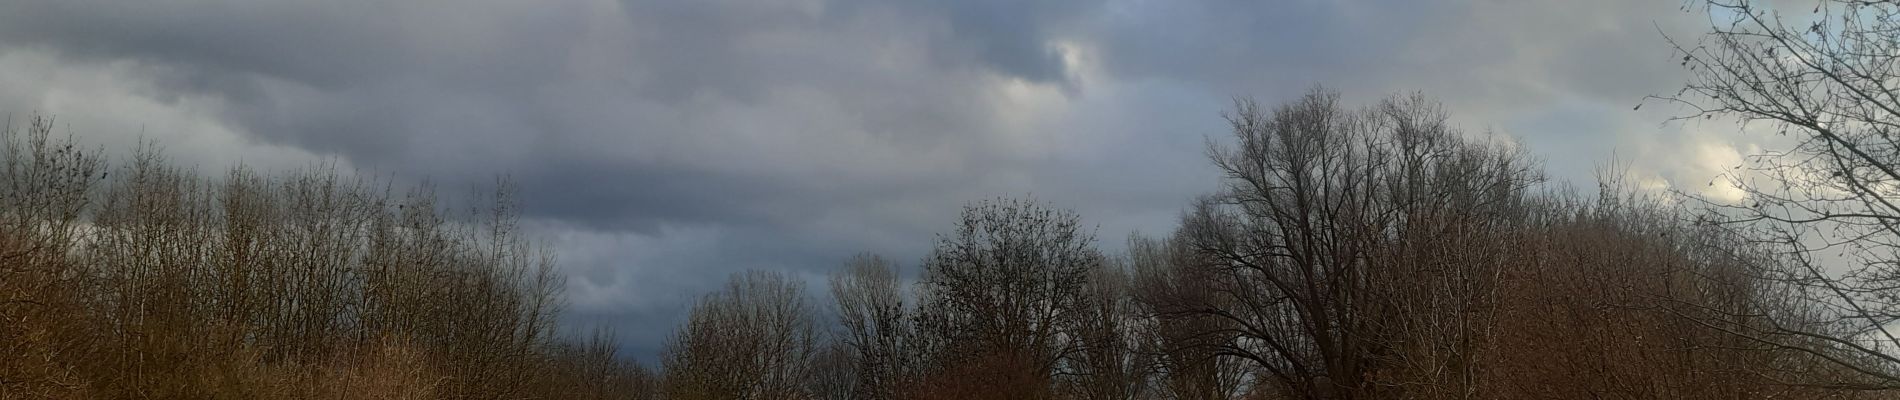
<point x="662" y="145"/>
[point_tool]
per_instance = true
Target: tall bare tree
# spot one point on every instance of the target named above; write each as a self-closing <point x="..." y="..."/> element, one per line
<point x="1827" y="78"/>
<point x="1332" y="234"/>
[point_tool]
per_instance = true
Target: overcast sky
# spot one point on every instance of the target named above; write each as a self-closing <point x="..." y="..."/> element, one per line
<point x="663" y="145"/>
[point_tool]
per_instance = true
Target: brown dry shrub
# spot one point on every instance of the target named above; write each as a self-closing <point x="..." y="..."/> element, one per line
<point x="391" y="369"/>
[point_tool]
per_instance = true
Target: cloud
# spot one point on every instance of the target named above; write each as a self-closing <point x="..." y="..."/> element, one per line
<point x="663" y="144"/>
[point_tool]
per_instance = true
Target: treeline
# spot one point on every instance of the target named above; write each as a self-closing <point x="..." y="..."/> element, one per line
<point x="147" y="281"/>
<point x="1376" y="253"/>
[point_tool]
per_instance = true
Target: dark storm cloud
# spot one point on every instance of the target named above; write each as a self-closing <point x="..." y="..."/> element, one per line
<point x="662" y="145"/>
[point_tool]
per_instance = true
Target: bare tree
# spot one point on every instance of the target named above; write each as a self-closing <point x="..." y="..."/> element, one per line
<point x="1006" y="289"/>
<point x="875" y="323"/>
<point x="754" y="340"/>
<point x="1826" y="78"/>
<point x="1110" y="362"/>
<point x="1187" y="363"/>
<point x="835" y="374"/>
<point x="46" y="188"/>
<point x="1331" y="237"/>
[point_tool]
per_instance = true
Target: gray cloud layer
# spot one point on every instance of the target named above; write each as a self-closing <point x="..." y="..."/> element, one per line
<point x="665" y="144"/>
